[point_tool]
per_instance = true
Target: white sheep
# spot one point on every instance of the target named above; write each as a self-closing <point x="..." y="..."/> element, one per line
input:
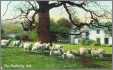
<point x="56" y="52"/>
<point x="68" y="55"/>
<point x="5" y="43"/>
<point x="42" y="47"/>
<point x="97" y="52"/>
<point x="15" y="43"/>
<point x="46" y="46"/>
<point x="36" y="46"/>
<point x="27" y="46"/>
<point x="57" y="46"/>
<point x="56" y="49"/>
<point x="94" y="51"/>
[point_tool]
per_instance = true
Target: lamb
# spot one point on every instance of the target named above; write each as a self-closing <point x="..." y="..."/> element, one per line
<point x="46" y="46"/>
<point x="27" y="46"/>
<point x="56" y="50"/>
<point x="94" y="52"/>
<point x="16" y="43"/>
<point x="42" y="47"/>
<point x="5" y="43"/>
<point x="36" y="46"/>
<point x="68" y="55"/>
<point x="97" y="52"/>
<point x="57" y="46"/>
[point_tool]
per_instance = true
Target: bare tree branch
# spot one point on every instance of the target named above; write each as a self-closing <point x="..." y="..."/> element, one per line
<point x="31" y="4"/>
<point x="53" y="5"/>
<point x="70" y="17"/>
<point x="7" y="8"/>
<point x="14" y="17"/>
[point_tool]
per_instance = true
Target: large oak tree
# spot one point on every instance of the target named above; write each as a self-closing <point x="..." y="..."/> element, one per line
<point x="43" y="9"/>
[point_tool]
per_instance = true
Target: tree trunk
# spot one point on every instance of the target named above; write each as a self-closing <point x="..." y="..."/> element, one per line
<point x="44" y="26"/>
<point x="44" y="21"/>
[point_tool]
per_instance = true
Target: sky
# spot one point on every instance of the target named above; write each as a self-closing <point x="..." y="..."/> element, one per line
<point x="55" y="13"/>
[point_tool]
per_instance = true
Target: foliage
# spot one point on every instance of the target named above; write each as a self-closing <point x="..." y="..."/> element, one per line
<point x="61" y="27"/>
<point x="32" y="36"/>
<point x="109" y="31"/>
<point x="16" y="28"/>
<point x="12" y="28"/>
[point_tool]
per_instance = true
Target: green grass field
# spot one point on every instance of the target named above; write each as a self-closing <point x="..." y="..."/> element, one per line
<point x="17" y="56"/>
<point x="108" y="50"/>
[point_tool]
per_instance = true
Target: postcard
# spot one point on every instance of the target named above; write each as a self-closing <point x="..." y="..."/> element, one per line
<point x="56" y="35"/>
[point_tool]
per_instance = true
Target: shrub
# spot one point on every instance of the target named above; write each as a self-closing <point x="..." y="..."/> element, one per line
<point x="106" y="45"/>
<point x="29" y="36"/>
<point x="33" y="36"/>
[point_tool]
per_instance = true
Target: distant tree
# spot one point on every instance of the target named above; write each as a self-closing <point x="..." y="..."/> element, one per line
<point x="12" y="28"/>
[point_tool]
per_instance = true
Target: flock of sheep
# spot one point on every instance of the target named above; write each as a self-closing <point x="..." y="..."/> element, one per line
<point x="54" y="50"/>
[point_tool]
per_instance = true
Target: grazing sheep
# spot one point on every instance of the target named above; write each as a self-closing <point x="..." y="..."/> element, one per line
<point x="5" y="43"/>
<point x="57" y="46"/>
<point x="56" y="52"/>
<point x="97" y="52"/>
<point x="36" y="46"/>
<point x="68" y="55"/>
<point x="56" y="49"/>
<point x="76" y="54"/>
<point x="94" y="52"/>
<point x="41" y="47"/>
<point x="20" y="45"/>
<point x="45" y="46"/>
<point x="27" y="46"/>
<point x="16" y="43"/>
